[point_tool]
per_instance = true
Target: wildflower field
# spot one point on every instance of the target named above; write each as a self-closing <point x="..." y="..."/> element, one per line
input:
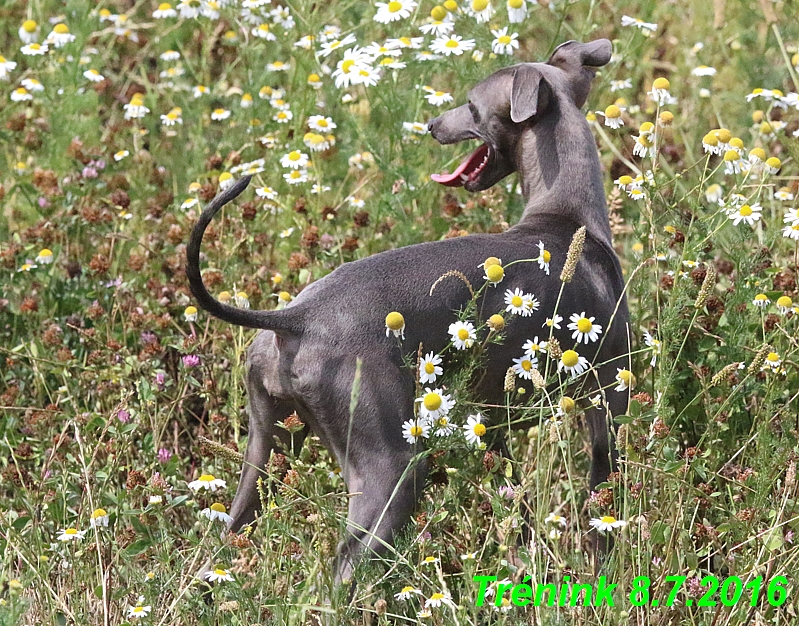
<point x="124" y="407"/>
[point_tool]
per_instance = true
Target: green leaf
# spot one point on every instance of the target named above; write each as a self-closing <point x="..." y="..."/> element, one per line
<point x="137" y="547"/>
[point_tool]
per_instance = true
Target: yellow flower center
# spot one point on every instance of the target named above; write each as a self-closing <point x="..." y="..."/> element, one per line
<point x="527" y="365"/>
<point x="451" y="43"/>
<point x="761" y="297"/>
<point x="429" y="368"/>
<point x="416" y="430"/>
<point x="479" y="5"/>
<point x="395" y="321"/>
<point x="724" y="135"/>
<point x="745" y="210"/>
<point x="206" y="478"/>
<point x="463" y="334"/>
<point x="60" y="29"/>
<point x="517" y="301"/>
<point x="218" y="507"/>
<point x="515" y="4"/>
<point x="495" y="273"/>
<point x="437" y="596"/>
<point x="626" y="376"/>
<point x="661" y="83"/>
<point x="70" y="531"/>
<point x="294" y="155"/>
<point x="570" y="358"/>
<point x="546" y="256"/>
<point x="438" y="13"/>
<point x="613" y="112"/>
<point x="784" y="301"/>
<point x="220" y="572"/>
<point x="432" y="401"/>
<point x="479" y="430"/>
<point x="29" y="26"/>
<point x="164" y="6"/>
<point x="496" y="321"/>
<point x="394" y="6"/>
<point x="263" y="27"/>
<point x="731" y="155"/>
<point x="584" y="325"/>
<point x="313" y="78"/>
<point x="504" y="40"/>
<point x="609" y="519"/>
<point x="774" y="162"/>
<point x="773" y="357"/>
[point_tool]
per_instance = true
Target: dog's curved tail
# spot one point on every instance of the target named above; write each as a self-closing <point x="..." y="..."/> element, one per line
<point x="284" y="321"/>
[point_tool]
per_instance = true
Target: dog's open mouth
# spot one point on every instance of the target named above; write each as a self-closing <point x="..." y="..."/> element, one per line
<point x="470" y="169"/>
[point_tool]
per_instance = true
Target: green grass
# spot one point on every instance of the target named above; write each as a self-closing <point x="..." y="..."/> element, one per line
<point x="100" y="410"/>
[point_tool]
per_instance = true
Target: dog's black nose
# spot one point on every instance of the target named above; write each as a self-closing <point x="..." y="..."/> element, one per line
<point x="431" y="125"/>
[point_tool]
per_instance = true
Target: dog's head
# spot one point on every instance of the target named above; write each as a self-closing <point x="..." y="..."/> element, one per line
<point x="509" y="101"/>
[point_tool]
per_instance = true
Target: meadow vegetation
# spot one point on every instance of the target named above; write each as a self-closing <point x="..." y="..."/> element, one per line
<point x="123" y="407"/>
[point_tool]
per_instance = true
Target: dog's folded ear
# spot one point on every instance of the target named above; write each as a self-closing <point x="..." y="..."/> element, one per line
<point x="529" y="94"/>
<point x="573" y="53"/>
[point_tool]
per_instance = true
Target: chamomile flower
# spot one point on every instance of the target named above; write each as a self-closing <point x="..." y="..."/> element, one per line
<point x="503" y="42"/>
<point x="406" y="593"/>
<point x="585" y="330"/>
<point x="21" y="95"/>
<point x="207" y="482"/>
<point x="60" y="36"/>
<point x="164" y="11"/>
<point x="71" y="534"/>
<point x="294" y="160"/>
<point x="660" y="91"/>
<point x="437" y="599"/>
<point x="553" y="322"/>
<point x="217" y="511"/>
<point x="394" y="10"/>
<point x="618" y="85"/>
<point x="443" y="426"/>
<point x="414" y="430"/>
<point x="462" y="335"/>
<point x="714" y="193"/>
<point x="140" y="610"/>
<point x="434" y="403"/>
<point x="748" y="214"/>
<point x="607" y="523"/>
<point x="644" y="147"/>
<point x="703" y="70"/>
<point x="173" y="117"/>
<point x="348" y="70"/>
<point x="121" y="154"/>
<point x="31" y="84"/>
<point x="45" y="256"/>
<point x="99" y="518"/>
<point x="296" y="177"/>
<point x="429" y="368"/>
<point x="761" y="300"/>
<point x="29" y="31"/>
<point x="199" y="91"/>
<point x="654" y="344"/>
<point x="93" y="75"/>
<point x="626" y="20"/>
<point x="517" y="11"/>
<point x="6" y="67"/>
<point x="524" y="366"/>
<point x="555" y="519"/>
<point x="520" y="303"/>
<point x="784" y="194"/>
<point x="218" y="575"/>
<point x="220" y="114"/>
<point x="438" y="98"/>
<point x="772" y="361"/>
<point x="262" y="31"/>
<point x="784" y="304"/>
<point x="791" y="231"/>
<point x="773" y="165"/>
<point x="474" y="429"/>
<point x="481" y="10"/>
<point x="135" y="109"/>
<point x="34" y="49"/>
<point x="544" y="257"/>
<point x="572" y="363"/>
<point x="321" y="123"/>
<point x="453" y="44"/>
<point x="612" y="115"/>
<point x="625" y="379"/>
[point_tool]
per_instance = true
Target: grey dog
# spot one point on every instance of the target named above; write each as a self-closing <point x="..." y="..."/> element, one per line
<point x="528" y="118"/>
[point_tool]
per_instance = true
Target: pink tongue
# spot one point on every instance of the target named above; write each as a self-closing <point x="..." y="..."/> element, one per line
<point x="471" y="163"/>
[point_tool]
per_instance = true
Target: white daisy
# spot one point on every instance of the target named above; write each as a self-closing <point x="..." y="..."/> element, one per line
<point x="474" y="429"/>
<point x="217" y="511"/>
<point x="406" y="593"/>
<point x="140" y="610"/>
<point x="517" y="11"/>
<point x="218" y="575"/>
<point x="294" y="160"/>
<point x="654" y="344"/>
<point x="748" y="214"/>
<point x="544" y="258"/>
<point x="462" y="335"/>
<point x="429" y="368"/>
<point x="532" y="347"/>
<point x="71" y="534"/>
<point x="553" y="518"/>
<point x="625" y="379"/>
<point x="573" y="363"/>
<point x="434" y="403"/>
<point x="208" y="482"/>
<point x="437" y="28"/>
<point x="520" y="303"/>
<point x="553" y="322"/>
<point x="99" y="518"/>
<point x="443" y="426"/>
<point x="454" y="44"/>
<point x="394" y="10"/>
<point x="607" y="523"/>
<point x="524" y="366"/>
<point x="503" y="42"/>
<point x="414" y="430"/>
<point x="626" y="20"/>
<point x="34" y="49"/>
<point x="585" y="330"/>
<point x="6" y="67"/>
<point x="93" y="75"/>
<point x="438" y="98"/>
<point x="296" y="177"/>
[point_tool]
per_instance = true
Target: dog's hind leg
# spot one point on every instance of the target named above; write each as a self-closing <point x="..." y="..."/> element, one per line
<point x="264" y="411"/>
<point x="380" y="468"/>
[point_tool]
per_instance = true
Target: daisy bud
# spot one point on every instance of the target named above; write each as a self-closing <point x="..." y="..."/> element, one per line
<point x="723" y="375"/>
<point x="510" y="381"/>
<point x="666" y="118"/>
<point x="495" y="273"/>
<point x="661" y="83"/>
<point x="438" y="13"/>
<point x="496" y="322"/>
<point x="395" y="323"/>
<point x="573" y="256"/>
<point x="707" y="287"/>
<point x="760" y="358"/>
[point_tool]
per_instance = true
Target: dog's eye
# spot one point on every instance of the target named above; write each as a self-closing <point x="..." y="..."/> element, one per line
<point x="475" y="113"/>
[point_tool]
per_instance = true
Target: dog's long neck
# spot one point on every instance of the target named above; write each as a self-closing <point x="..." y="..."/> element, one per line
<point x="560" y="174"/>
